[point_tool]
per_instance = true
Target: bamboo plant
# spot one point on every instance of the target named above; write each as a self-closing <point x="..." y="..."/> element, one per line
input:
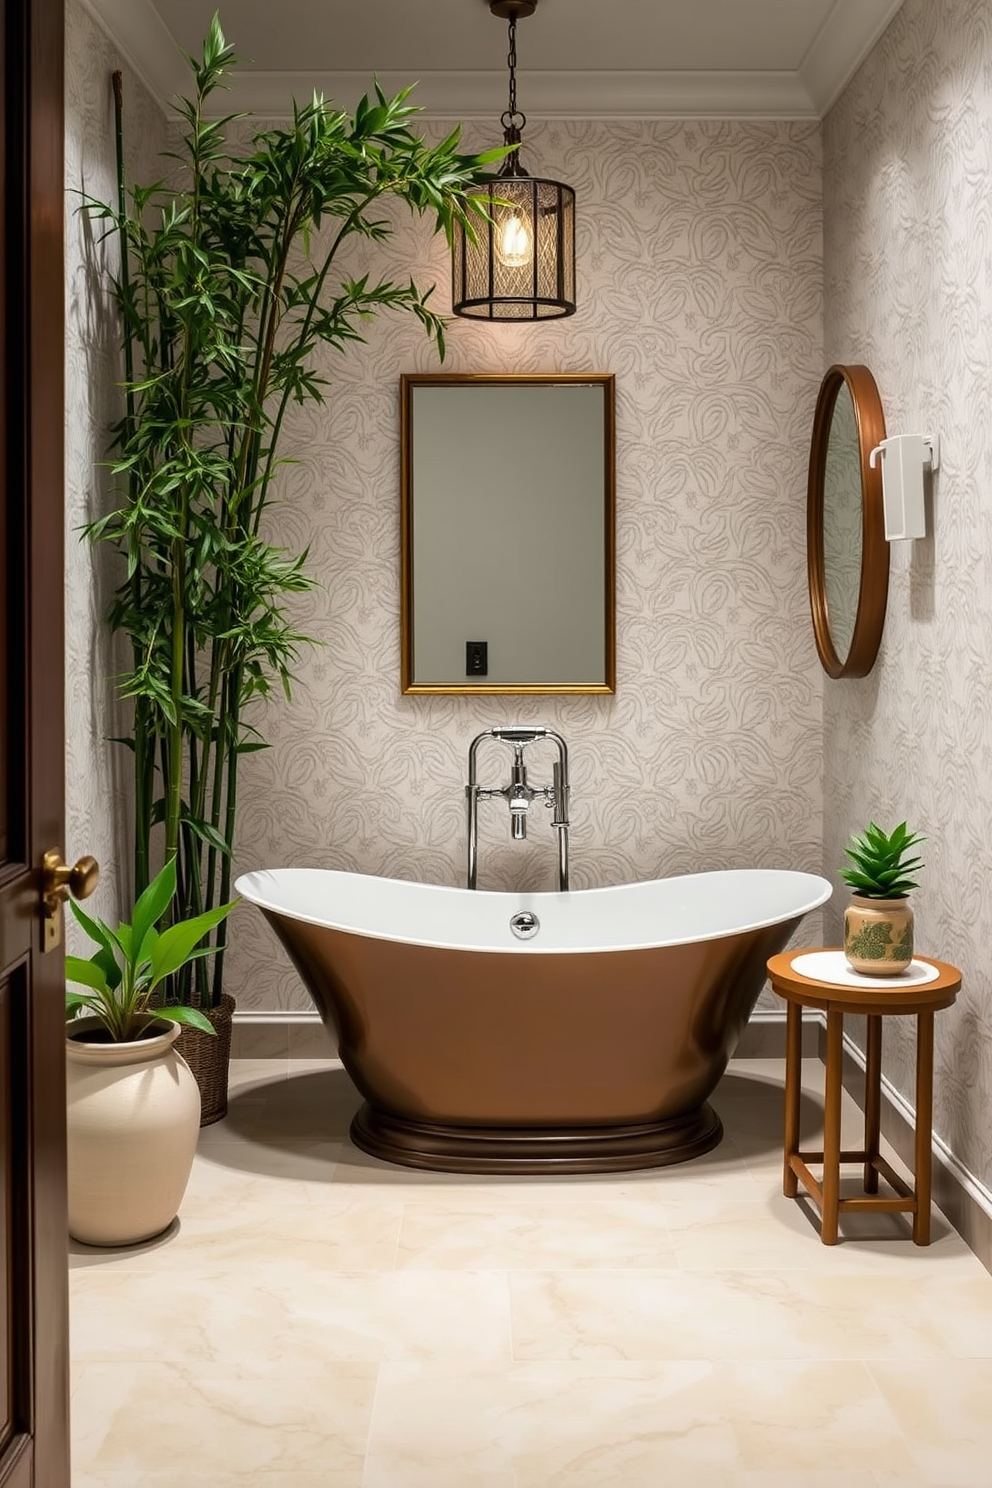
<point x="226" y="288"/>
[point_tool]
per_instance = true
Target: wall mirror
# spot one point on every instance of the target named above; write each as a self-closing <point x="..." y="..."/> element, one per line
<point x="507" y="533"/>
<point x="846" y="552"/>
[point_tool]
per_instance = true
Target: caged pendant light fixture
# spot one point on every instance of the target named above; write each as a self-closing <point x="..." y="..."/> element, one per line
<point x="522" y="264"/>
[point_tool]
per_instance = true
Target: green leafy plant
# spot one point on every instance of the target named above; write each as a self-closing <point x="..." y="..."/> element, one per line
<point x="227" y="287"/>
<point x="881" y="866"/>
<point x="123" y="979"/>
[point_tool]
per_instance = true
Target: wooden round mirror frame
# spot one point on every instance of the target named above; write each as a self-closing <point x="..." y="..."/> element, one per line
<point x="873" y="587"/>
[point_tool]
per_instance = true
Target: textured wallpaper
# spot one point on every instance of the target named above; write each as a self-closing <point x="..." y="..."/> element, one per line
<point x="97" y="801"/>
<point x="700" y="285"/>
<point x="908" y="248"/>
<point x="699" y="271"/>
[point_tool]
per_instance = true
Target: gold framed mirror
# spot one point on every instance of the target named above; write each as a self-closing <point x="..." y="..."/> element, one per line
<point x="507" y="533"/>
<point x="847" y="556"/>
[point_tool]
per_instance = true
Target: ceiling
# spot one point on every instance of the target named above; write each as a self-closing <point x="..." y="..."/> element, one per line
<point x="575" y="58"/>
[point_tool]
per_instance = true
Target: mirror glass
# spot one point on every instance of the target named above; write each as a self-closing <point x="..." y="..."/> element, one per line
<point x="507" y="533"/>
<point x="847" y="555"/>
<point x="842" y="521"/>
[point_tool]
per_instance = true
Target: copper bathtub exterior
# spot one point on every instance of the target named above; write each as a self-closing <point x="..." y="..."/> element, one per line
<point x="483" y="1061"/>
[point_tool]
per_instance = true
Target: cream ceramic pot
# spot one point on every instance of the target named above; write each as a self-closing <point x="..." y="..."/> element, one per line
<point x="133" y="1120"/>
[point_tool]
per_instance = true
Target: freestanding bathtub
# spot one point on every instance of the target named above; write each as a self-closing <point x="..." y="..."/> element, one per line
<point x="590" y="1047"/>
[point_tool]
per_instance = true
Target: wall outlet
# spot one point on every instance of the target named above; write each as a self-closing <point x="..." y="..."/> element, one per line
<point x="476" y="658"/>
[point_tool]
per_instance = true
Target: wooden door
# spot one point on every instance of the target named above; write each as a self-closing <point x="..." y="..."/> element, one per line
<point x="33" y="1297"/>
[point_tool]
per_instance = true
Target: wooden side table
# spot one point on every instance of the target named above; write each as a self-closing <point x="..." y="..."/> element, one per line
<point x="924" y="989"/>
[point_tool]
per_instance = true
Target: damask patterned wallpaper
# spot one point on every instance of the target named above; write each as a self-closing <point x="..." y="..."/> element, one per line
<point x="96" y="801"/>
<point x="699" y="270"/>
<point x="908" y="229"/>
<point x="700" y="281"/>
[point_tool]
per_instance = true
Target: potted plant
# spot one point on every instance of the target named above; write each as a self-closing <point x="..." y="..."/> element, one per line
<point x="878" y="922"/>
<point x="228" y="285"/>
<point x="133" y="1105"/>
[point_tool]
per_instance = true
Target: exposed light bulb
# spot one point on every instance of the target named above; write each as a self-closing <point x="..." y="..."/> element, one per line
<point x="515" y="241"/>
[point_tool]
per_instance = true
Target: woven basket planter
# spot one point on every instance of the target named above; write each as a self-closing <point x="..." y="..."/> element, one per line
<point x="210" y="1058"/>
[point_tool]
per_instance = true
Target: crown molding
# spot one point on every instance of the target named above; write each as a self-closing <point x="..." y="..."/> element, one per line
<point x="145" y="43"/>
<point x="843" y="43"/>
<point x="562" y="95"/>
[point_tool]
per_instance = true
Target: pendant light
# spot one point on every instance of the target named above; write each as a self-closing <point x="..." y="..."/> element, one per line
<point x="522" y="264"/>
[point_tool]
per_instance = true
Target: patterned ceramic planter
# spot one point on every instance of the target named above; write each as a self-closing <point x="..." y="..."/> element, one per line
<point x="878" y="935"/>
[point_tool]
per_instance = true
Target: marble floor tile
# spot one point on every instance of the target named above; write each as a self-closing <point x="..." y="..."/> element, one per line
<point x="799" y="1416"/>
<point x="946" y="1415"/>
<point x="314" y="1105"/>
<point x="514" y="1236"/>
<point x="540" y="1426"/>
<point x="747" y="1315"/>
<point x="712" y="1233"/>
<point x="168" y="1477"/>
<point x="217" y="1187"/>
<point x="317" y="1318"/>
<point x="128" y="1418"/>
<point x="344" y="1234"/>
<point x="305" y="1163"/>
<point x="255" y="1074"/>
<point x="304" y="1318"/>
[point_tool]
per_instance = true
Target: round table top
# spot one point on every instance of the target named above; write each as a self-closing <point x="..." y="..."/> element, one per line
<point x="889" y="995"/>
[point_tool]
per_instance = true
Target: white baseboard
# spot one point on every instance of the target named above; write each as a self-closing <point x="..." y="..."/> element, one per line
<point x="266" y="1017"/>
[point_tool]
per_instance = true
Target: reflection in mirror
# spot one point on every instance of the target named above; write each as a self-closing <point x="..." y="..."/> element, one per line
<point x="842" y="522"/>
<point x="846" y="553"/>
<point x="507" y="515"/>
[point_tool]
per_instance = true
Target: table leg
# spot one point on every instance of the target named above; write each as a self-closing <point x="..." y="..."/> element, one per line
<point x="831" y="1125"/>
<point x="873" y="1099"/>
<point x="793" y="1092"/>
<point x="924" y="1125"/>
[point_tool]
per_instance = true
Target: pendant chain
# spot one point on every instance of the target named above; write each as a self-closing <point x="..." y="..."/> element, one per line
<point x="511" y="62"/>
<point x="513" y="119"/>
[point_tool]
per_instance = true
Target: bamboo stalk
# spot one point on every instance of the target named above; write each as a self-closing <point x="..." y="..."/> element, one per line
<point x="230" y="817"/>
<point x="141" y="833"/>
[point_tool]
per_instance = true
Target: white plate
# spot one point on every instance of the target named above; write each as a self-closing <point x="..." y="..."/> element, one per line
<point x="832" y="967"/>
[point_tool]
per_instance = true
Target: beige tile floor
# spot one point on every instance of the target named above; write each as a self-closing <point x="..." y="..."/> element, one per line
<point x="317" y="1319"/>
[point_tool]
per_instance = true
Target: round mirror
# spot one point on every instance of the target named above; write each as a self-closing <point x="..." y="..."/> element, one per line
<point x="847" y="555"/>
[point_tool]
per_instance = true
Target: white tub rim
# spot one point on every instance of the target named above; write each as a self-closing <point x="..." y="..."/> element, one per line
<point x="509" y="902"/>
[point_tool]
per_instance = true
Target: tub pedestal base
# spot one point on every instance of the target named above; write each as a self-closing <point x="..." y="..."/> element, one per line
<point x="589" y="1149"/>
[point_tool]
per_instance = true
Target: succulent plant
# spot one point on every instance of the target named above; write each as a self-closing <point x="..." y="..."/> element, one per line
<point x="882" y="869"/>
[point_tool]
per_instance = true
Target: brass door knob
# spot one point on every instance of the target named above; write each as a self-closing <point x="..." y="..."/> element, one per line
<point x="57" y="877"/>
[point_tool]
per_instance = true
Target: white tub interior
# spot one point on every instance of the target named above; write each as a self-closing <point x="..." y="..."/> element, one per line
<point x="667" y="911"/>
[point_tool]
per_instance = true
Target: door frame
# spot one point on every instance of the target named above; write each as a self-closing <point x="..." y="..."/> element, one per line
<point x="34" y="311"/>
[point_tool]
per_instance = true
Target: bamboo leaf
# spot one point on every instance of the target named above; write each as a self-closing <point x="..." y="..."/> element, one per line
<point x="208" y="834"/>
